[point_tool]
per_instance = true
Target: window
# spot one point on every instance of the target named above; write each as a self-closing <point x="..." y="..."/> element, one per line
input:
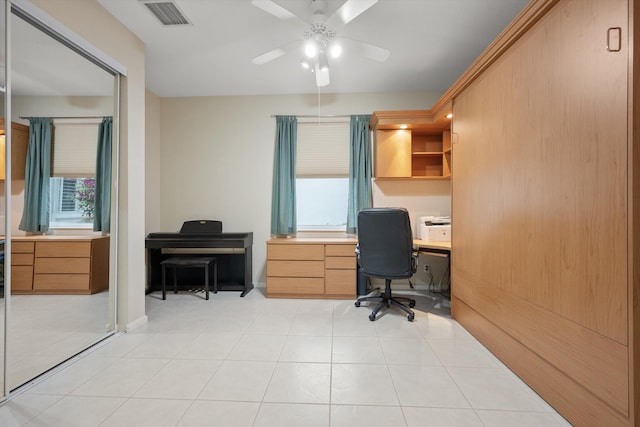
<point x="322" y="175"/>
<point x="72" y="183"/>
<point x="71" y="202"/>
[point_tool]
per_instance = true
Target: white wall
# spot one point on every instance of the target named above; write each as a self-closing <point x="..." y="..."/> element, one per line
<point x="152" y="162"/>
<point x="216" y="156"/>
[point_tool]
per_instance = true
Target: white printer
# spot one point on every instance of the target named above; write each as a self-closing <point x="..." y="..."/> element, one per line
<point x="434" y="228"/>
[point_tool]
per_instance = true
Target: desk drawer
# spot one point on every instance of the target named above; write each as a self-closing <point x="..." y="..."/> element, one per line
<point x="22" y="259"/>
<point x="340" y="282"/>
<point x="61" y="282"/>
<point x="341" y="250"/>
<point x="293" y="286"/>
<point x="21" y="278"/>
<point x="63" y="249"/>
<point x="62" y="265"/>
<point x="295" y="252"/>
<point x="341" y="262"/>
<point x="295" y="268"/>
<point x="21" y="247"/>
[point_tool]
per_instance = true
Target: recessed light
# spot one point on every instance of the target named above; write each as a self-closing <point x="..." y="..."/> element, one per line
<point x="403" y="126"/>
<point x="449" y="115"/>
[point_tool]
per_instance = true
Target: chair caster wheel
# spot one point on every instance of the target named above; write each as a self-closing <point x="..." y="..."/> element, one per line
<point x="410" y="317"/>
<point x="412" y="304"/>
<point x="372" y="317"/>
<point x="357" y="303"/>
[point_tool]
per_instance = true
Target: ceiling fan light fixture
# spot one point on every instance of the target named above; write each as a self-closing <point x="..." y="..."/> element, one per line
<point x="335" y="50"/>
<point x="323" y="62"/>
<point x="310" y="49"/>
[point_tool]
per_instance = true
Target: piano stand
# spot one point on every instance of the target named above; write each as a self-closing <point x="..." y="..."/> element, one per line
<point x="232" y="252"/>
<point x="189" y="262"/>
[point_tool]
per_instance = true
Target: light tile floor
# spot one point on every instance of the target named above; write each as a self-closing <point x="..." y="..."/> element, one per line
<point x="253" y="361"/>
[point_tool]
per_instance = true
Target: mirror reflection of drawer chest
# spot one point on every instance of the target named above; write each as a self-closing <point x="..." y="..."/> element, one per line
<point x="59" y="264"/>
<point x="311" y="268"/>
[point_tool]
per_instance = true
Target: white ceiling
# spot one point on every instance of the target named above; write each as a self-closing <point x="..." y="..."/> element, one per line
<point x="432" y="42"/>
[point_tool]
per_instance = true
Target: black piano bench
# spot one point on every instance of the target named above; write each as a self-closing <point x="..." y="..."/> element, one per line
<point x="189" y="262"/>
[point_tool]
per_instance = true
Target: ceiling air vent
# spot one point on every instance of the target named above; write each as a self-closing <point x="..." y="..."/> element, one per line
<point x="167" y="12"/>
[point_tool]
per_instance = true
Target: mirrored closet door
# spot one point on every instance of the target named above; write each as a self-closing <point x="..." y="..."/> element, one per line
<point x="3" y="191"/>
<point x="62" y="108"/>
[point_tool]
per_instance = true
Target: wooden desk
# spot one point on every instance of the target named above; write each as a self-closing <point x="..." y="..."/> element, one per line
<point x="439" y="246"/>
<point x="438" y="249"/>
<point x="311" y="268"/>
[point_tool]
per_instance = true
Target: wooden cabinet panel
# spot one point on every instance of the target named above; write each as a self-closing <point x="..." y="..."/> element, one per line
<point x="21" y="247"/>
<point x="21" y="259"/>
<point x="340" y="282"/>
<point x="296" y="252"/>
<point x="341" y="262"/>
<point x="63" y="249"/>
<point x="61" y="282"/>
<point x="295" y="268"/>
<point x="21" y="278"/>
<point x="63" y="265"/>
<point x="340" y="250"/>
<point x="543" y="184"/>
<point x="291" y="287"/>
<point x="393" y="154"/>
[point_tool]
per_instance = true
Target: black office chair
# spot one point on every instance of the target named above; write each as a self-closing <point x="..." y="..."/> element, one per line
<point x="385" y="250"/>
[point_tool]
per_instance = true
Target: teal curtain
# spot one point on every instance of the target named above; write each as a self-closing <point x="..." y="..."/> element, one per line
<point x="35" y="215"/>
<point x="102" y="211"/>
<point x="359" y="169"/>
<point x="283" y="196"/>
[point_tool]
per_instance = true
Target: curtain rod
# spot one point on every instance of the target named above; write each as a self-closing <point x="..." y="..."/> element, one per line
<point x="313" y="116"/>
<point x="63" y="117"/>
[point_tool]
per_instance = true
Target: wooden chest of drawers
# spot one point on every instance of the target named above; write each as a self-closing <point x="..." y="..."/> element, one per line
<point x="59" y="265"/>
<point x="311" y="268"/>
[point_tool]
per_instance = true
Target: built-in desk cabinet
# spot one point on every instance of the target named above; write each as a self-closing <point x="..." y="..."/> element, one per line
<point x="311" y="268"/>
<point x="411" y="145"/>
<point x="59" y="264"/>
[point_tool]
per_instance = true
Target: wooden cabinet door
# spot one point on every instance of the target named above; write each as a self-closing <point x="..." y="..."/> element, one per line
<point x="393" y="154"/>
<point x="540" y="208"/>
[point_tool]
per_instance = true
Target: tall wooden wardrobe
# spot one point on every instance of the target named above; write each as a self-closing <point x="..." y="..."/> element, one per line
<point x="546" y="204"/>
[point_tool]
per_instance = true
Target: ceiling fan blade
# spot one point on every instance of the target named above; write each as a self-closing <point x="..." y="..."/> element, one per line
<point x="273" y="9"/>
<point x="275" y="53"/>
<point x="322" y="76"/>
<point x="350" y="10"/>
<point x="269" y="56"/>
<point x="370" y="51"/>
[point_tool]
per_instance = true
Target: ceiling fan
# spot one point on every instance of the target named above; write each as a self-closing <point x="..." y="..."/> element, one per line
<point x="320" y="37"/>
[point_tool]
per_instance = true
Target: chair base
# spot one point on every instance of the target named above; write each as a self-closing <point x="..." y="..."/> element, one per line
<point x="387" y="300"/>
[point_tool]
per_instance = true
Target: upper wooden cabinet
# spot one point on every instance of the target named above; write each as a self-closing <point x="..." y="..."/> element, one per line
<point x="20" y="142"/>
<point x="413" y="144"/>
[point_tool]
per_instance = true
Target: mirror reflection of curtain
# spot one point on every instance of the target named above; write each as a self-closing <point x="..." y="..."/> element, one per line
<point x="102" y="212"/>
<point x="360" y="168"/>
<point x="283" y="197"/>
<point x="35" y="216"/>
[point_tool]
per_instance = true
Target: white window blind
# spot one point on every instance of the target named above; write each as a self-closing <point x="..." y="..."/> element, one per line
<point x="74" y="148"/>
<point x="322" y="149"/>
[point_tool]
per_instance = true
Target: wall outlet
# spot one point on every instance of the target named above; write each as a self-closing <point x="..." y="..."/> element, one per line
<point x="426" y="268"/>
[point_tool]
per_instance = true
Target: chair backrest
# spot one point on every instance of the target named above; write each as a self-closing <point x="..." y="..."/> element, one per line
<point x="385" y="243"/>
